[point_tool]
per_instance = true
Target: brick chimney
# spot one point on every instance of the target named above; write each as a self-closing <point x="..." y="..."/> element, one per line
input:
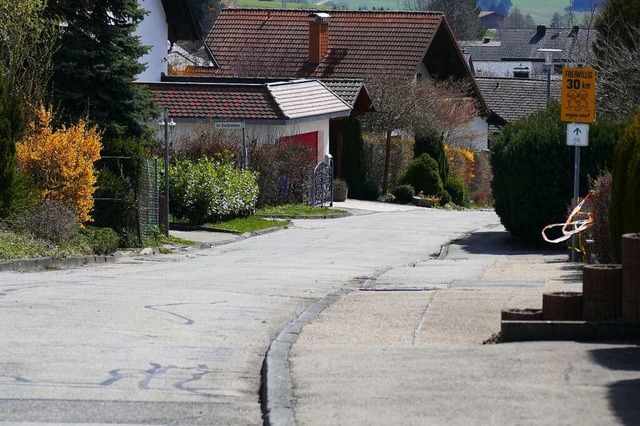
<point x="318" y="37"/>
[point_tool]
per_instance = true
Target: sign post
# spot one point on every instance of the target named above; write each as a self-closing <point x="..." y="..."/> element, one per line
<point x="577" y="105"/>
<point x="233" y="125"/>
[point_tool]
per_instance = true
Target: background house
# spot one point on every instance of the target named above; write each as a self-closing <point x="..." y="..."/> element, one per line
<point x="167" y="21"/>
<point x="338" y="45"/>
<point x="511" y="99"/>
<point x="492" y="19"/>
<point x="519" y="47"/>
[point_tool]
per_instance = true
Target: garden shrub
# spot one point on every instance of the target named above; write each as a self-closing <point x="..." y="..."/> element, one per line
<point x="284" y="171"/>
<point x="119" y="176"/>
<point x="480" y="186"/>
<point x="207" y="141"/>
<point x="432" y="142"/>
<point x="10" y="128"/>
<point x="103" y="241"/>
<point x="445" y="197"/>
<point x="601" y="229"/>
<point x="371" y="190"/>
<point x="533" y="170"/>
<point x="61" y="162"/>
<point x="353" y="170"/>
<point x="403" y="193"/>
<point x="211" y="191"/>
<point x="625" y="198"/>
<point x="422" y="174"/>
<point x="456" y="189"/>
<point x="49" y="219"/>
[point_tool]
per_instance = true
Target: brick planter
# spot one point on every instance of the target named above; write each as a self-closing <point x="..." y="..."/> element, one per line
<point x="631" y="276"/>
<point x="562" y="306"/>
<point x="602" y="292"/>
<point x="526" y="314"/>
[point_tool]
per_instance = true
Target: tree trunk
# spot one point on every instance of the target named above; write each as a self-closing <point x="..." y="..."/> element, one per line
<point x="387" y="160"/>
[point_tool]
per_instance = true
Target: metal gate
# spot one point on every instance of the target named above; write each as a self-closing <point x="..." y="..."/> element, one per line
<point x="322" y="183"/>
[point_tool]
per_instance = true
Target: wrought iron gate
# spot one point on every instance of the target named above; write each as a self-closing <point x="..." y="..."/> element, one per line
<point x="322" y="183"/>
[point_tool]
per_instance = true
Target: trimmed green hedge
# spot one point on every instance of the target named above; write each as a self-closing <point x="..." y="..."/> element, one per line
<point x="533" y="170"/>
<point x="211" y="191"/>
<point x="625" y="198"/>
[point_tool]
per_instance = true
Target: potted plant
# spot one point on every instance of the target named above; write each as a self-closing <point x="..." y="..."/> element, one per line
<point x="340" y="189"/>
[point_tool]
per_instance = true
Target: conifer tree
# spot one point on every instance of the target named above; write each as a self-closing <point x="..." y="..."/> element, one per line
<point x="462" y="15"/>
<point x="96" y="63"/>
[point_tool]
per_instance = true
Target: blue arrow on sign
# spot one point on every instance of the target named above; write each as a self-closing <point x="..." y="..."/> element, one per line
<point x="577" y="131"/>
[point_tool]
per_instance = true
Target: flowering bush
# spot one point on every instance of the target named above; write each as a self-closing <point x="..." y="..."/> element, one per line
<point x="210" y="191"/>
<point x="61" y="162"/>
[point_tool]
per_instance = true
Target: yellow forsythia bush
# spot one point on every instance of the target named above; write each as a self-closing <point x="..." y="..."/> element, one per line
<point x="461" y="163"/>
<point x="62" y="161"/>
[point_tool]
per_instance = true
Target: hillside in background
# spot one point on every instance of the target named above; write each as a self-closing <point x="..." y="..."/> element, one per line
<point x="541" y="10"/>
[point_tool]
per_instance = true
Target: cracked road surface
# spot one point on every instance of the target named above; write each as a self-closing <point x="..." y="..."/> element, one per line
<point x="180" y="339"/>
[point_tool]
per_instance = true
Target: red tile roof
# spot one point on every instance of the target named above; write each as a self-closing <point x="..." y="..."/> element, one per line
<point x="221" y="101"/>
<point x="274" y="43"/>
<point x="300" y="99"/>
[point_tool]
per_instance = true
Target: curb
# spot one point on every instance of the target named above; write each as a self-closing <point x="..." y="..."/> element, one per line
<point x="25" y="265"/>
<point x="275" y="391"/>
<point x="276" y="401"/>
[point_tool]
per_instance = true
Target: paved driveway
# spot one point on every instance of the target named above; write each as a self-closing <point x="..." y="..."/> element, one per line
<point x="180" y="339"/>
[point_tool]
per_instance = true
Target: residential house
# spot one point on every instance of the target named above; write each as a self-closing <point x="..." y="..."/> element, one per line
<point x="167" y="21"/>
<point x="511" y="99"/>
<point x="520" y="48"/>
<point x="339" y="45"/>
<point x="492" y="19"/>
<point x="297" y="111"/>
<point x="293" y="111"/>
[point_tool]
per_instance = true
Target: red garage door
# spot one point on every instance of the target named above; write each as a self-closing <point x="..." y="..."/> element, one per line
<point x="309" y="140"/>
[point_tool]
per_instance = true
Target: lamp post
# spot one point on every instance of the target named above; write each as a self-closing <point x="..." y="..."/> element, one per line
<point x="548" y="63"/>
<point x="167" y="126"/>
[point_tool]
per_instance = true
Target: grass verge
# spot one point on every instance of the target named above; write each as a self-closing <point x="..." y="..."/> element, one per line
<point x="22" y="246"/>
<point x="248" y="224"/>
<point x="297" y="210"/>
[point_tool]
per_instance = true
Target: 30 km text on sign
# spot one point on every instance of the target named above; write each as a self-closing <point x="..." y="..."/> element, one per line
<point x="578" y="95"/>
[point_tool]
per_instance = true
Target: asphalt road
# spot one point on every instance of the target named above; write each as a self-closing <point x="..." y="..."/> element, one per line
<point x="180" y="339"/>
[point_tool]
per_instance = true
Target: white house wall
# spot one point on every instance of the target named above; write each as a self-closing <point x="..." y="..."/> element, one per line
<point x="479" y="128"/>
<point x="271" y="133"/>
<point x="153" y="31"/>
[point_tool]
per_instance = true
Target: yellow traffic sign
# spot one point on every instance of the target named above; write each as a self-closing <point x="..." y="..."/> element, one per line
<point x="578" y="95"/>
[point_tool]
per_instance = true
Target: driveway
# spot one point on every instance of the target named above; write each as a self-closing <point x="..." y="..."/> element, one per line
<point x="180" y="339"/>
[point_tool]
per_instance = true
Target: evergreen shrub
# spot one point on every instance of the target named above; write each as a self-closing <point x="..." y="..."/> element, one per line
<point x="533" y="170"/>
<point x="456" y="188"/>
<point x="625" y="198"/>
<point x="432" y="143"/>
<point x="422" y="174"/>
<point x="403" y="193"/>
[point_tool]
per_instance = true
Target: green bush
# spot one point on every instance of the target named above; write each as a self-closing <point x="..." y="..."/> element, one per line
<point x="352" y="156"/>
<point x="422" y="174"/>
<point x="119" y="175"/>
<point x="403" y="193"/>
<point x="371" y="190"/>
<point x="102" y="241"/>
<point x="625" y="198"/>
<point x="432" y="143"/>
<point x="445" y="197"/>
<point x="456" y="189"/>
<point x="533" y="170"/>
<point x="211" y="191"/>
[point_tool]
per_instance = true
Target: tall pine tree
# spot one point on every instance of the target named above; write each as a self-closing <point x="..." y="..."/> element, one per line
<point x="96" y="63"/>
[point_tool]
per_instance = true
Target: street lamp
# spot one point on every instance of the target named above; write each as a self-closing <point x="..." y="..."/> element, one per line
<point x="167" y="126"/>
<point x="548" y="63"/>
